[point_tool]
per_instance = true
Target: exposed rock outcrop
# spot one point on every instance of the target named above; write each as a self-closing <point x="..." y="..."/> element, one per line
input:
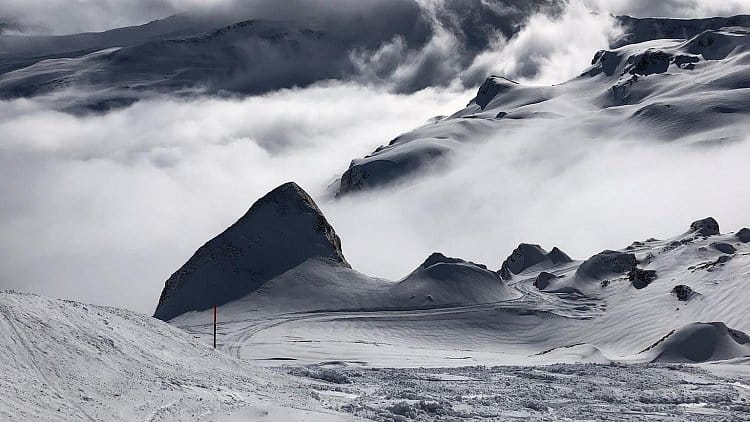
<point x="605" y="263"/>
<point x="641" y="278"/>
<point x="724" y="247"/>
<point x="491" y="87"/>
<point x="683" y="292"/>
<point x="744" y="235"/>
<point x="542" y="280"/>
<point x="527" y="255"/>
<point x="280" y="231"/>
<point x="705" y="227"/>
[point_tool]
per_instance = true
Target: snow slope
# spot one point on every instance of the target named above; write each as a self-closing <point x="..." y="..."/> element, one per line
<point x="284" y="253"/>
<point x="252" y="49"/>
<point x="611" y="306"/>
<point x="65" y="361"/>
<point x="693" y="90"/>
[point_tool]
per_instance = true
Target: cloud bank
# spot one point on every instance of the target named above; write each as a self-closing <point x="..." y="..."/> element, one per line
<point x="102" y="208"/>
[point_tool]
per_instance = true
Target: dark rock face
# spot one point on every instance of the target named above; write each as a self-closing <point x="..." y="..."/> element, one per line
<point x="706" y="227"/>
<point x="280" y="231"/>
<point x="558" y="257"/>
<point x="724" y="248"/>
<point x="649" y="62"/>
<point x="683" y="292"/>
<point x="723" y="259"/>
<point x="438" y="258"/>
<point x="389" y="164"/>
<point x="605" y="263"/>
<point x="527" y="255"/>
<point x="542" y="280"/>
<point x="641" y="278"/>
<point x="491" y="87"/>
<point x="744" y="235"/>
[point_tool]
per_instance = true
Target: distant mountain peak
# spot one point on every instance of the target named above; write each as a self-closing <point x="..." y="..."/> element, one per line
<point x="281" y="230"/>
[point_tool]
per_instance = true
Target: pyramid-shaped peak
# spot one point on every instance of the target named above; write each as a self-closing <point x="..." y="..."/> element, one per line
<point x="280" y="231"/>
<point x="287" y="194"/>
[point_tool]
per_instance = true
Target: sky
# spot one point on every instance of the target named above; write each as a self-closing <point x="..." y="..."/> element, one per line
<point x="104" y="207"/>
<point x="73" y="16"/>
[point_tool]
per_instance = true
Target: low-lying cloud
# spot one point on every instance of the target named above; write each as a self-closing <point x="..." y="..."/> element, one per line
<point x="551" y="182"/>
<point x="102" y="208"/>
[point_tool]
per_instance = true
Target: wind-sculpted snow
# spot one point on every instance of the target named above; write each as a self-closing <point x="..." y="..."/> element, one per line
<point x="443" y="281"/>
<point x="612" y="305"/>
<point x="68" y="361"/>
<point x="700" y="342"/>
<point x="656" y="89"/>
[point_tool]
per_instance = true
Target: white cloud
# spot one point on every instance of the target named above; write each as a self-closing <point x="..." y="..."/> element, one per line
<point x="672" y="8"/>
<point x="551" y="182"/>
<point x="549" y="50"/>
<point x="102" y="208"/>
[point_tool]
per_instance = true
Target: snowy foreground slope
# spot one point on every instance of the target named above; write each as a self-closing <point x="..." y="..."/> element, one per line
<point x="66" y="361"/>
<point x="692" y="88"/>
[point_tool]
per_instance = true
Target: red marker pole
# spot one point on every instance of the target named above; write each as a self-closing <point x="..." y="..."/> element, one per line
<point x="214" y="326"/>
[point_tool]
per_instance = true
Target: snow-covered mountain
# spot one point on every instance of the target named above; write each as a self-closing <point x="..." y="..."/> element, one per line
<point x="223" y="53"/>
<point x="618" y="302"/>
<point x="691" y="89"/>
<point x="666" y="302"/>
<point x="660" y="325"/>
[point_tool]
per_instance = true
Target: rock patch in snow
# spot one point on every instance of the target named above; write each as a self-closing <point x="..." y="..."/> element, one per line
<point x="542" y="280"/>
<point x="706" y="227"/>
<point x="605" y="263"/>
<point x="527" y="255"/>
<point x="724" y="247"/>
<point x="683" y="292"/>
<point x="641" y="278"/>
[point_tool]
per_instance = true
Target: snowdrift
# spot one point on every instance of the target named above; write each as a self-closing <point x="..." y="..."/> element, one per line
<point x="701" y="342"/>
<point x="444" y="281"/>
<point x="65" y="360"/>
